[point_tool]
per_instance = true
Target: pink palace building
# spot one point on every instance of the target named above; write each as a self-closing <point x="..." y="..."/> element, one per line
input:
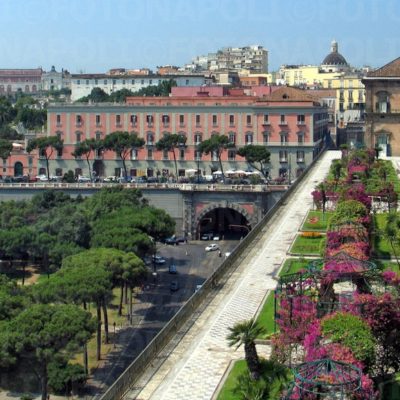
<point x="290" y="122"/>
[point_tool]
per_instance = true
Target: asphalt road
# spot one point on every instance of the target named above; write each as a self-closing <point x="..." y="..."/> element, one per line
<point x="157" y="304"/>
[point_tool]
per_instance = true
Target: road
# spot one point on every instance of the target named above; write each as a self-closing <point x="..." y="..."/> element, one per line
<point x="156" y="304"/>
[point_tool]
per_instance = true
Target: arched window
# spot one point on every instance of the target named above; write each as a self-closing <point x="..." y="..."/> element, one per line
<point x="78" y="171"/>
<point x="34" y="88"/>
<point x="42" y="171"/>
<point x="1" y="88"/>
<point x="383" y="102"/>
<point x="8" y="88"/>
<point x="150" y="138"/>
<point x="58" y="171"/>
<point x="26" y="88"/>
<point x="232" y="137"/>
<point x="197" y="138"/>
<point x="248" y="139"/>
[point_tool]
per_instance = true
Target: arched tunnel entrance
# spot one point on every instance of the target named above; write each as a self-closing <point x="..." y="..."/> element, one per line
<point x="226" y="222"/>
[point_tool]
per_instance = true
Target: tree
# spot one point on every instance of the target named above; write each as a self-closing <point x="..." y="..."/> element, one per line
<point x="5" y="149"/>
<point x="216" y="145"/>
<point x="391" y="233"/>
<point x="256" y="154"/>
<point x="46" y="146"/>
<point x="122" y="143"/>
<point x="246" y="333"/>
<point x="86" y="148"/>
<point x="109" y="199"/>
<point x="43" y="334"/>
<point x="171" y="142"/>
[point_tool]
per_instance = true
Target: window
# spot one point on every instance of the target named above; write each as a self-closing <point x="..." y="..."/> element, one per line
<point x="105" y="81"/>
<point x="181" y="120"/>
<point x="197" y="138"/>
<point x="42" y="171"/>
<point x="96" y="81"/>
<point x="78" y="120"/>
<point x="231" y="120"/>
<point x="266" y="137"/>
<point x="149" y="154"/>
<point x="283" y="156"/>
<point x="266" y="119"/>
<point x="133" y="81"/>
<point x="98" y="121"/>
<point x="59" y="172"/>
<point x="231" y="155"/>
<point x="78" y="171"/>
<point x="248" y="119"/>
<point x="60" y="152"/>
<point x="182" y="154"/>
<point x="165" y="155"/>
<point x="197" y="155"/>
<point x="150" y="82"/>
<point x="150" y="138"/>
<point x="383" y="103"/>
<point x="198" y="123"/>
<point x="187" y="82"/>
<point x="165" y="120"/>
<point x="87" y="81"/>
<point x="329" y="84"/>
<point x="214" y="120"/>
<point x="142" y="81"/>
<point x="133" y="172"/>
<point x="78" y="82"/>
<point x="134" y="154"/>
<point x="133" y="120"/>
<point x="301" y="119"/>
<point x="58" y="120"/>
<point x="300" y="156"/>
<point x="114" y="81"/>
<point x="283" y="119"/>
<point x="248" y="138"/>
<point x="149" y="119"/>
<point x="350" y="96"/>
<point x="78" y="137"/>
<point x="300" y="137"/>
<point x="118" y="120"/>
<point x="232" y="137"/>
<point x="98" y="135"/>
<point x="284" y="138"/>
<point x="341" y="96"/>
<point x="123" y="81"/>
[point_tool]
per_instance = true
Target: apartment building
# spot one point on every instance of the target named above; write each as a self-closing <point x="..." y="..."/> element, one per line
<point x="290" y="122"/>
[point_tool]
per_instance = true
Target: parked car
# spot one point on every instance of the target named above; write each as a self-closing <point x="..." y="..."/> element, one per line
<point x="171" y="240"/>
<point x="216" y="237"/>
<point x="174" y="286"/>
<point x="212" y="247"/>
<point x="112" y="179"/>
<point x="141" y="179"/>
<point x="180" y="239"/>
<point x="152" y="179"/>
<point x="159" y="260"/>
<point x="83" y="179"/>
<point x="172" y="269"/>
<point x="207" y="236"/>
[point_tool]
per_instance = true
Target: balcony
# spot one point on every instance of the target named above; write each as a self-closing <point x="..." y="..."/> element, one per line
<point x="301" y="123"/>
<point x="78" y="124"/>
<point x="283" y="160"/>
<point x="283" y="123"/>
<point x="118" y="124"/>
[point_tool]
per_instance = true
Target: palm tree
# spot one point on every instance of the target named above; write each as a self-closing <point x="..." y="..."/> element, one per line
<point x="246" y="332"/>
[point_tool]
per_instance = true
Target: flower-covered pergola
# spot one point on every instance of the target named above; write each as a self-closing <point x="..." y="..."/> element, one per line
<point x="325" y="378"/>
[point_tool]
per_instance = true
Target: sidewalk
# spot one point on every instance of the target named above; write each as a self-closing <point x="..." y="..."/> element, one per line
<point x="194" y="368"/>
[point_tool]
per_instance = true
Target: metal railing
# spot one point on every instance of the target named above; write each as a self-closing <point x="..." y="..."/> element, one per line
<point x="131" y="375"/>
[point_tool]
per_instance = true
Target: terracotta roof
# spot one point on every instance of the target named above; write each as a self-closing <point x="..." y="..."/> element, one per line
<point x="288" y="93"/>
<point x="391" y="69"/>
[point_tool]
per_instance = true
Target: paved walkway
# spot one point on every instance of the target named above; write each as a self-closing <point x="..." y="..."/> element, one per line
<point x="194" y="368"/>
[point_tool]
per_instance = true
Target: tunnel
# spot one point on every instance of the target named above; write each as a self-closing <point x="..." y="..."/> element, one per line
<point x="226" y="222"/>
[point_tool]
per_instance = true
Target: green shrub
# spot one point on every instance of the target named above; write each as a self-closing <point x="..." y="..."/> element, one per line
<point x="351" y="331"/>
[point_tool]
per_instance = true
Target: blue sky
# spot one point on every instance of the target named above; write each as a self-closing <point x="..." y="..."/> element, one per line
<point x="95" y="35"/>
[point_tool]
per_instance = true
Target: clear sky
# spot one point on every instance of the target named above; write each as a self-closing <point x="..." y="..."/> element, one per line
<point x="95" y="35"/>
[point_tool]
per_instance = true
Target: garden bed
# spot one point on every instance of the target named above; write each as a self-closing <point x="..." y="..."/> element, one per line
<point x="316" y="221"/>
<point x="307" y="245"/>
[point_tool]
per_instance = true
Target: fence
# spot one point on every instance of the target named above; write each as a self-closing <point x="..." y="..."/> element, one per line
<point x="128" y="378"/>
